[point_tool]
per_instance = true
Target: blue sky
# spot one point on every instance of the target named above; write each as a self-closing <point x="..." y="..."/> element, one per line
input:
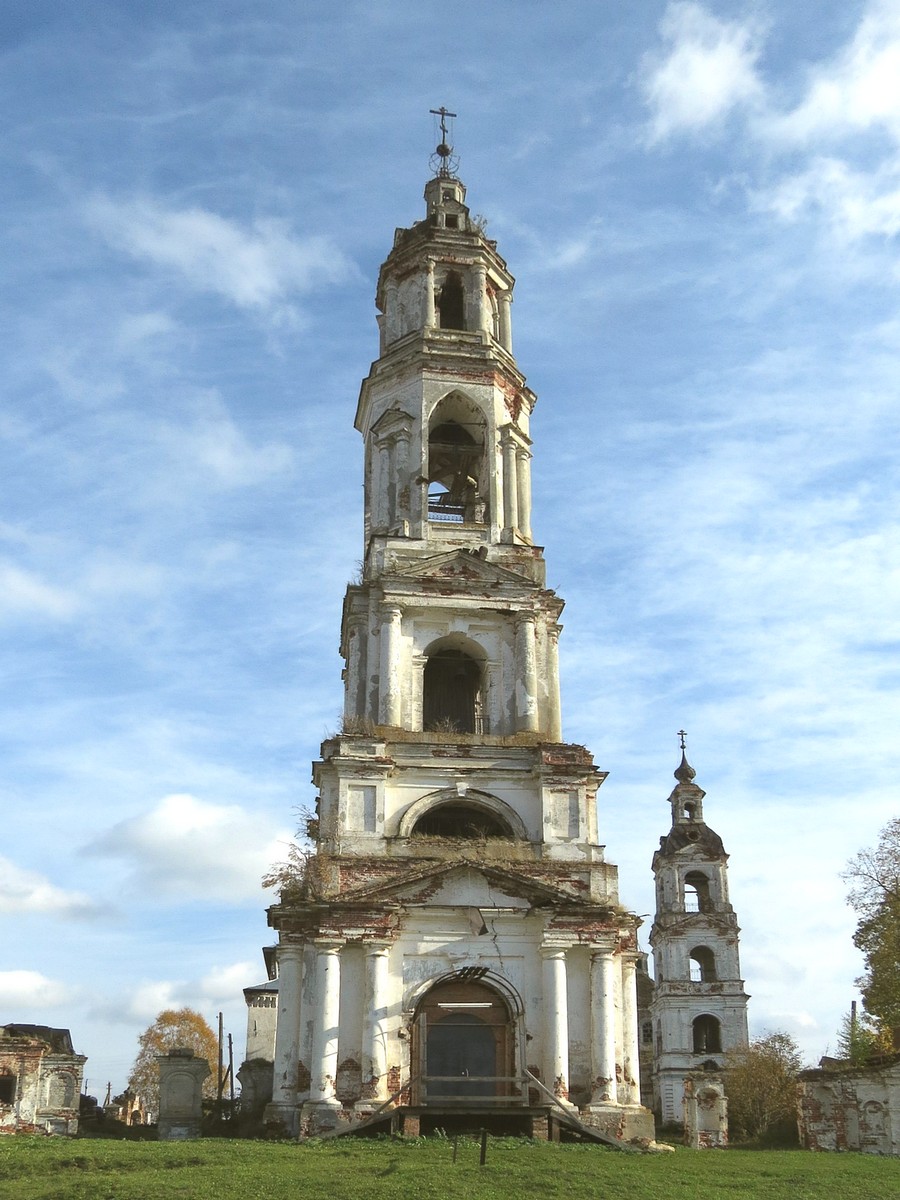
<point x="701" y="205"/>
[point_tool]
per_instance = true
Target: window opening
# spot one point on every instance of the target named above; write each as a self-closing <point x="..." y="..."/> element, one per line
<point x="460" y="821"/>
<point x="7" y="1089"/>
<point x="451" y="303"/>
<point x="707" y="1035"/>
<point x="696" y="892"/>
<point x="454" y="464"/>
<point x="703" y="965"/>
<point x="450" y="701"/>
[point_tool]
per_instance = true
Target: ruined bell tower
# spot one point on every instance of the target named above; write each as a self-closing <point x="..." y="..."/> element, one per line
<point x="699" y="1006"/>
<point x="457" y="944"/>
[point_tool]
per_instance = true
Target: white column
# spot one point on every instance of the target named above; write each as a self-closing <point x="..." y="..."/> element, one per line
<point x="505" y="321"/>
<point x="510" y="486"/>
<point x="603" y="1027"/>
<point x="287" y="1029"/>
<point x="484" y="309"/>
<point x="556" y="1021"/>
<point x="354" y="702"/>
<point x="631" y="1062"/>
<point x="429" y="293"/>
<point x="389" y="708"/>
<point x="391" y="327"/>
<point x="323" y="1068"/>
<point x="523" y="491"/>
<point x="374" y="1044"/>
<point x="381" y="501"/>
<point x="555" y="730"/>
<point x="526" y="674"/>
<point x="401" y="480"/>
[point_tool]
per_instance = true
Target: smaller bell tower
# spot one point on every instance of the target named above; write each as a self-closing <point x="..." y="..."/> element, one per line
<point x="699" y="1006"/>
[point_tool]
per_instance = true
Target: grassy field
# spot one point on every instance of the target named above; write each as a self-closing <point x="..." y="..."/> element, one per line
<point x="51" y="1169"/>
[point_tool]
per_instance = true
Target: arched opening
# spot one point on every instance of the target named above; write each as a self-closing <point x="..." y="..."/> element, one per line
<point x="451" y="693"/>
<point x="451" y="303"/>
<point x="465" y="1043"/>
<point x="696" y="892"/>
<point x="703" y="965"/>
<point x="460" y="820"/>
<point x="455" y="467"/>
<point x="707" y="1035"/>
<point x="8" y="1088"/>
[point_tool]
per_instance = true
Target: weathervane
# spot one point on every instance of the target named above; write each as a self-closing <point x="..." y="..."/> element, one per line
<point x="444" y="162"/>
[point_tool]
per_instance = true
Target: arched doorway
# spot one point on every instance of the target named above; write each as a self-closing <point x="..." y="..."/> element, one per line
<point x="465" y="1045"/>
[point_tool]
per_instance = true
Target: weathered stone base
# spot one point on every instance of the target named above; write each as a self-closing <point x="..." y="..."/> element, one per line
<point x="321" y="1116"/>
<point x="627" y="1122"/>
<point x="281" y="1119"/>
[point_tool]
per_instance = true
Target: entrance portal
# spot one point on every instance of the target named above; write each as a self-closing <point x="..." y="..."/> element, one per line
<point x="466" y="1046"/>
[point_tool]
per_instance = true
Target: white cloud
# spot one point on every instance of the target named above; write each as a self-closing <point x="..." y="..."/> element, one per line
<point x="852" y="187"/>
<point x="855" y="203"/>
<point x="187" y="848"/>
<point x="22" y="593"/>
<point x="858" y="90"/>
<point x="222" y="984"/>
<point x="219" y="987"/>
<point x="212" y="445"/>
<point x="137" y="329"/>
<point x="260" y="268"/>
<point x="24" y="891"/>
<point x="28" y="990"/>
<point x="709" y="70"/>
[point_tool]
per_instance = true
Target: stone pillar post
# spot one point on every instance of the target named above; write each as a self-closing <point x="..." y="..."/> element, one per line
<point x="287" y="1032"/>
<point x="505" y="320"/>
<point x="555" y="722"/>
<point x="526" y="674"/>
<point x="510" y="486"/>
<point x="603" y="1027"/>
<point x="631" y="1062"/>
<point x="429" y="293"/>
<point x="181" y="1076"/>
<point x="556" y="1021"/>
<point x="390" y="706"/>
<point x="523" y="491"/>
<point x="374" y="1043"/>
<point x="323" y="1068"/>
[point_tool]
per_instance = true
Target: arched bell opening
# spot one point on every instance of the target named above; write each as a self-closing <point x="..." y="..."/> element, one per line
<point x="476" y="814"/>
<point x="702" y="965"/>
<point x="451" y="693"/>
<point x="696" y="892"/>
<point x="461" y="820"/>
<point x="451" y="302"/>
<point x="707" y="1035"/>
<point x="464" y="1049"/>
<point x="457" y="485"/>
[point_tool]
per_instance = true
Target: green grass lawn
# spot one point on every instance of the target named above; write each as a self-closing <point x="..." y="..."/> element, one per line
<point x="92" y="1169"/>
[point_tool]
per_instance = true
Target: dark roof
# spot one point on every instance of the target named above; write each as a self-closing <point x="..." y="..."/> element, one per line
<point x="696" y="834"/>
<point x="59" y="1040"/>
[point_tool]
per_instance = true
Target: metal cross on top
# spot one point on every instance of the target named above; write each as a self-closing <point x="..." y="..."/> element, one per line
<point x="443" y="149"/>
<point x="682" y="735"/>
<point x="443" y="161"/>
